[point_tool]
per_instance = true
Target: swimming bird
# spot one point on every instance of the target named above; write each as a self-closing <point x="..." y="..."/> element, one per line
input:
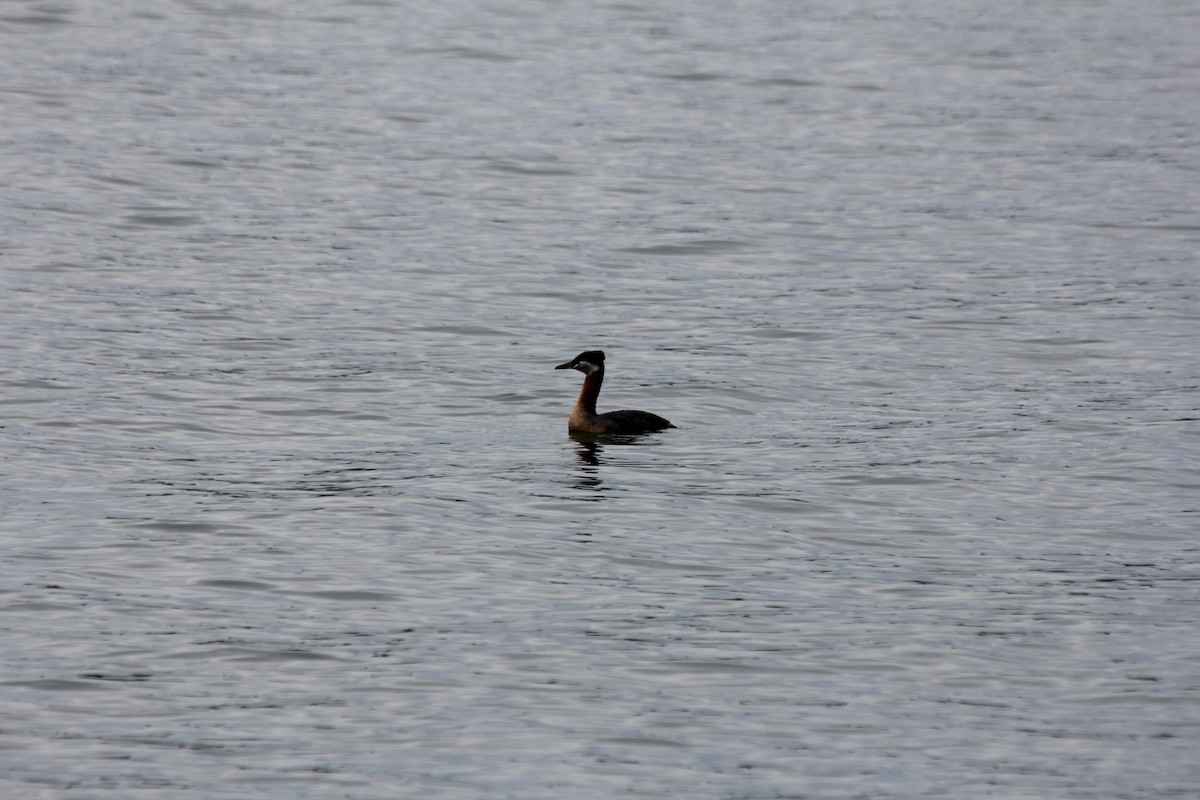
<point x="584" y="418"/>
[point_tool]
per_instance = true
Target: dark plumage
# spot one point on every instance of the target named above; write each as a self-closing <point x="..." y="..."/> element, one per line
<point x="584" y="418"/>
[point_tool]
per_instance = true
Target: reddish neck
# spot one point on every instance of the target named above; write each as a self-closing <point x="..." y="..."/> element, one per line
<point x="590" y="391"/>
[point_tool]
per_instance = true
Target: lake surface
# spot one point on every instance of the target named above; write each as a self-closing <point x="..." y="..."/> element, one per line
<point x="289" y="508"/>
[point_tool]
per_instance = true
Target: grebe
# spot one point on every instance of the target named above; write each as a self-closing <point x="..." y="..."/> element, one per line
<point x="584" y="418"/>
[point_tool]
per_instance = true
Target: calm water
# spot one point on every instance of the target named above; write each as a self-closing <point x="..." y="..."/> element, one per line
<point x="289" y="505"/>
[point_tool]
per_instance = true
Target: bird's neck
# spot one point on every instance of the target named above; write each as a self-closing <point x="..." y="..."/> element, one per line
<point x="590" y="391"/>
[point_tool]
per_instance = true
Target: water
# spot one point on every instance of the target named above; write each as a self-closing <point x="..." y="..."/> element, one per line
<point x="289" y="506"/>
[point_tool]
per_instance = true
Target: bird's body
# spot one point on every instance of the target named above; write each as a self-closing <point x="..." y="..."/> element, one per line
<point x="584" y="418"/>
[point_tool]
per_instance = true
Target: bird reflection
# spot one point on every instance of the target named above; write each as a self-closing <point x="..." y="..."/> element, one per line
<point x="589" y="448"/>
<point x="589" y="451"/>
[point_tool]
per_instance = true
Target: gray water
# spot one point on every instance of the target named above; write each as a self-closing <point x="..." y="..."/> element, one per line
<point x="289" y="505"/>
